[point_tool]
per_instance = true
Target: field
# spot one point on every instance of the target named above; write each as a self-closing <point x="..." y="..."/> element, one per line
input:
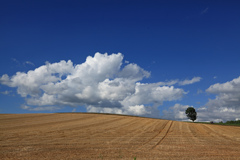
<point x="100" y="136"/>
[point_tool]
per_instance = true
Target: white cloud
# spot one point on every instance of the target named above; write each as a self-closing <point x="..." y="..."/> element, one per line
<point x="42" y="108"/>
<point x="29" y="63"/>
<point x="226" y="105"/>
<point x="149" y="93"/>
<point x="207" y="113"/>
<point x="133" y="71"/>
<point x="179" y="82"/>
<point x="191" y="81"/>
<point x="177" y="112"/>
<point x="217" y="114"/>
<point x="226" y="88"/>
<point x="140" y="110"/>
<point x="137" y="110"/>
<point x="103" y="83"/>
<point x="204" y="114"/>
<point x="29" y="83"/>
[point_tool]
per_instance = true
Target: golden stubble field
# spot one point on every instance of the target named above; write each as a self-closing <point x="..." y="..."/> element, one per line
<point x="99" y="136"/>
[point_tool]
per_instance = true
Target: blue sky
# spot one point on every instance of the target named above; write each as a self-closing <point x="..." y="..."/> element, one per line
<point x="163" y="41"/>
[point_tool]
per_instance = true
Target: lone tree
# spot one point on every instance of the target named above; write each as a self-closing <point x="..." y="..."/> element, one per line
<point x="191" y="113"/>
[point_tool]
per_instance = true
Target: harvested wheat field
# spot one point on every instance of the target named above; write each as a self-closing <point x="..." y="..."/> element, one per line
<point x="101" y="136"/>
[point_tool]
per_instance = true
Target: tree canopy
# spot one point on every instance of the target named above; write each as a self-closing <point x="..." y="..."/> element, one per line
<point x="191" y="113"/>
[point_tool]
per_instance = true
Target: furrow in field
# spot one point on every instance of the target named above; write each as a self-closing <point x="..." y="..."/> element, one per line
<point x="159" y="142"/>
<point x="152" y="137"/>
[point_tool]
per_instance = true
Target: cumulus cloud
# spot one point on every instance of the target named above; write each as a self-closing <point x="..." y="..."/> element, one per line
<point x="30" y="83"/>
<point x="103" y="83"/>
<point x="226" y="105"/>
<point x="217" y="114"/>
<point x="230" y="87"/>
<point x="177" y="112"/>
<point x="139" y="110"/>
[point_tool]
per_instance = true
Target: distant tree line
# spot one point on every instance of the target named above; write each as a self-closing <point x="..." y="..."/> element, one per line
<point x="237" y="122"/>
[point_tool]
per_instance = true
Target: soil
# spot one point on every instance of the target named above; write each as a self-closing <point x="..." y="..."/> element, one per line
<point x="76" y="136"/>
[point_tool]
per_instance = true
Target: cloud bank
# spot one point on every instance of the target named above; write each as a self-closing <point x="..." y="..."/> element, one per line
<point x="103" y="83"/>
<point x="108" y="84"/>
<point x="225" y="106"/>
<point x="177" y="112"/>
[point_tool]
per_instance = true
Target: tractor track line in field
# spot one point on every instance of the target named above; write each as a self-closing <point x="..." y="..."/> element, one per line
<point x="159" y="142"/>
<point x="155" y="135"/>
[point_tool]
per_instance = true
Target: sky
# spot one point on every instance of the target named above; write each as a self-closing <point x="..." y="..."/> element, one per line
<point x="134" y="57"/>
